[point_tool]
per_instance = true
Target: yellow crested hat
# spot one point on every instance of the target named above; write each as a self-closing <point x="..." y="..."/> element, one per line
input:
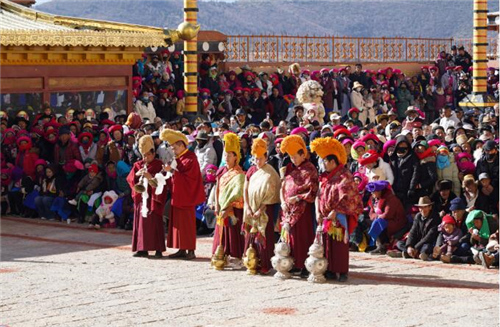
<point x="292" y="144"/>
<point x="146" y="144"/>
<point x="325" y="146"/>
<point x="172" y="136"/>
<point x="232" y="144"/>
<point x="259" y="148"/>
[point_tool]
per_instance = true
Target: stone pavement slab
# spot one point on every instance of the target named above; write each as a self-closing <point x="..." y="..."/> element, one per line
<point x="53" y="274"/>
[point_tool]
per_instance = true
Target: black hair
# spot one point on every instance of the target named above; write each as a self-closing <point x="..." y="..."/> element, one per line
<point x="331" y="157"/>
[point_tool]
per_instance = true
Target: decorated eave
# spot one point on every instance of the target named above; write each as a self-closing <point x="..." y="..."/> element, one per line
<point x="493" y="21"/>
<point x="21" y="26"/>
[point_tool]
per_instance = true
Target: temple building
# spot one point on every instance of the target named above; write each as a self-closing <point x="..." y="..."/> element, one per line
<point x="53" y="59"/>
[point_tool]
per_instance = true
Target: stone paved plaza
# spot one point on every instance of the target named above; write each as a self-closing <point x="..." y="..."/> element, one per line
<point x="53" y="274"/>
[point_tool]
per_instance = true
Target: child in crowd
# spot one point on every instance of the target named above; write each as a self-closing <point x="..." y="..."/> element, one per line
<point x="104" y="216"/>
<point x="450" y="235"/>
<point x="88" y="192"/>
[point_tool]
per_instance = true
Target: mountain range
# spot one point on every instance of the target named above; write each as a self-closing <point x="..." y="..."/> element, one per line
<point x="356" y="18"/>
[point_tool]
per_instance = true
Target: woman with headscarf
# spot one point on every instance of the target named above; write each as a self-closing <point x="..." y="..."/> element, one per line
<point x="386" y="213"/>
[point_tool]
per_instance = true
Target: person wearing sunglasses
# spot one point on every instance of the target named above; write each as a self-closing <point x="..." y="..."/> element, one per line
<point x="404" y="164"/>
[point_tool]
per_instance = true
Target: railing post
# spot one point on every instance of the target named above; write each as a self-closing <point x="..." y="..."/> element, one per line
<point x="277" y="49"/>
<point x="248" y="48"/>
<point x="383" y="48"/>
<point x="406" y="49"/>
<point x="358" y="54"/>
<point x="333" y="50"/>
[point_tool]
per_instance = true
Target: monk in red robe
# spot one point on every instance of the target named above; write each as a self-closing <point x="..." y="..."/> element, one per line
<point x="338" y="205"/>
<point x="298" y="192"/>
<point x="187" y="191"/>
<point x="148" y="231"/>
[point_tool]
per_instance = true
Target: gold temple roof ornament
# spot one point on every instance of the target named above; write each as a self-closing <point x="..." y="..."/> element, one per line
<point x="21" y="26"/>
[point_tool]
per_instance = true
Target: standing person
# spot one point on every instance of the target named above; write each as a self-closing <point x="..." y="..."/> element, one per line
<point x="187" y="190"/>
<point x="298" y="192"/>
<point x="228" y="202"/>
<point x="338" y="205"/>
<point x="148" y="231"/>
<point x="405" y="166"/>
<point x="262" y="190"/>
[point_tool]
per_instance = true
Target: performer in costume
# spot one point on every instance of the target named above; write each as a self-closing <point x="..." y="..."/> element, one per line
<point x="338" y="205"/>
<point x="298" y="192"/>
<point x="228" y="202"/>
<point x="262" y="190"/>
<point x="148" y="230"/>
<point x="187" y="190"/>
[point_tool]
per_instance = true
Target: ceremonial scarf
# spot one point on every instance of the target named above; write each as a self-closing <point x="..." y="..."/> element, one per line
<point x="230" y="188"/>
<point x="263" y="189"/>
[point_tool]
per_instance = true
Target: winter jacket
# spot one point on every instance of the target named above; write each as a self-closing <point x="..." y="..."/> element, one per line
<point x="423" y="231"/>
<point x="427" y="176"/>
<point x="145" y="110"/>
<point x="483" y="166"/>
<point x="65" y="153"/>
<point x="91" y="184"/>
<point x="406" y="174"/>
<point x="404" y="100"/>
<point x="206" y="156"/>
<point x="382" y="170"/>
<point x="388" y="207"/>
<point x="450" y="173"/>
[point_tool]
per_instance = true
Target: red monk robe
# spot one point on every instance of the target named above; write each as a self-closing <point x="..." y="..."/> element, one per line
<point x="187" y="192"/>
<point x="301" y="181"/>
<point x="148" y="232"/>
<point x="339" y="192"/>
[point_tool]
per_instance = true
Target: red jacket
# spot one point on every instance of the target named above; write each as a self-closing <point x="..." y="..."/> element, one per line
<point x="391" y="209"/>
<point x="70" y="152"/>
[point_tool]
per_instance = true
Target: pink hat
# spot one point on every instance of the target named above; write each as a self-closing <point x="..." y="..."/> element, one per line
<point x="299" y="130"/>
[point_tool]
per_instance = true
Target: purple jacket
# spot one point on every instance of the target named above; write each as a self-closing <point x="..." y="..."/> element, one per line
<point x="450" y="239"/>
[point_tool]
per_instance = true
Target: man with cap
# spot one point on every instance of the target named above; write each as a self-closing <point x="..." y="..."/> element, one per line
<point x="65" y="149"/>
<point x="443" y="196"/>
<point x="241" y="119"/>
<point x="298" y="192"/>
<point x="187" y="190"/>
<point x="423" y="233"/>
<point x="338" y="205"/>
<point x="489" y="163"/>
<point x="205" y="151"/>
<point x="148" y="230"/>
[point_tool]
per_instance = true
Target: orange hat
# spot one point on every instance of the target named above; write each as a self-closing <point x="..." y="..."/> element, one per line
<point x="232" y="144"/>
<point x="325" y="146"/>
<point x="292" y="144"/>
<point x="259" y="148"/>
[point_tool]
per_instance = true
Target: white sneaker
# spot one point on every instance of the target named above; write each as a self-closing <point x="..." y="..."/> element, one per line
<point x="43" y="218"/>
<point x="72" y="202"/>
<point x="68" y="221"/>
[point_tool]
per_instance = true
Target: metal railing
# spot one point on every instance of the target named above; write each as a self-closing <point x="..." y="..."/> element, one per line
<point x="311" y="49"/>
